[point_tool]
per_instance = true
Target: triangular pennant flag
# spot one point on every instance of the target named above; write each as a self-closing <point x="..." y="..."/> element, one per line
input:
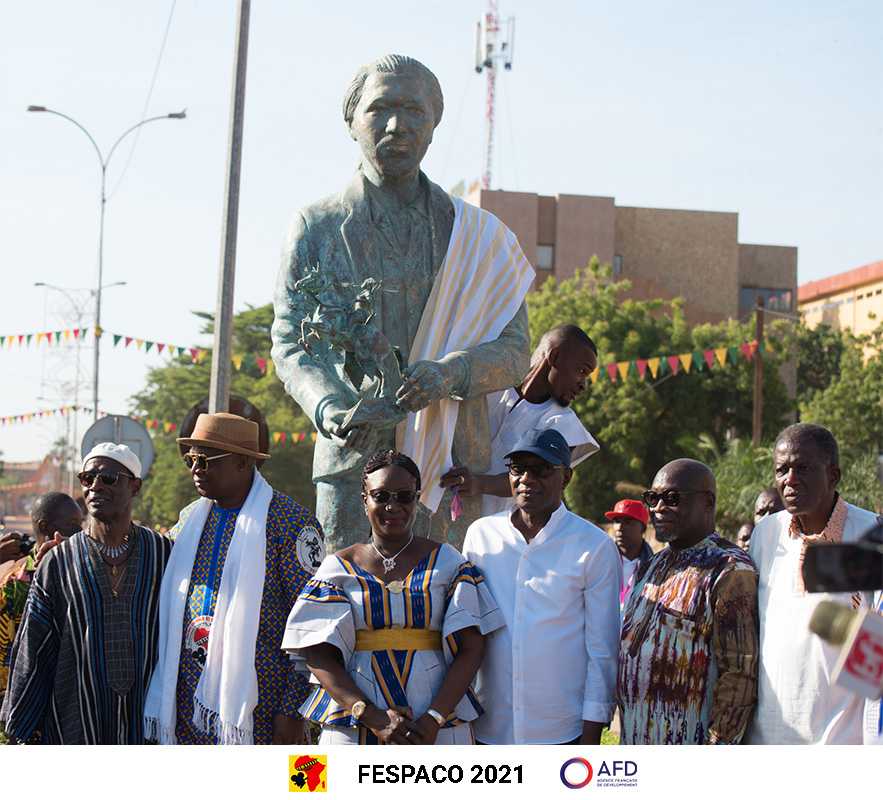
<point x="721" y="355"/>
<point x="57" y="337"/>
<point x="314" y="436"/>
<point x="2" y="340"/>
<point x="139" y="343"/>
<point x="174" y="426"/>
<point x="747" y="351"/>
<point x="201" y="355"/>
<point x="67" y="335"/>
<point x="653" y="364"/>
<point x="262" y="365"/>
<point x="282" y="437"/>
<point x="623" y="368"/>
<point x="167" y="426"/>
<point x="181" y="351"/>
<point x="117" y="337"/>
<point x="29" y="337"/>
<point x="248" y="360"/>
<point x="687" y="360"/>
<point x="698" y="361"/>
<point x="21" y="338"/>
<point x="76" y="333"/>
<point x="303" y="437"/>
<point x="708" y="355"/>
<point x="129" y="341"/>
<point x="611" y="372"/>
<point x="761" y="348"/>
<point x="594" y="375"/>
<point x="295" y="437"/>
<point x="276" y="437"/>
<point x="237" y="362"/>
<point x="98" y="332"/>
<point x="147" y="346"/>
<point x="673" y="363"/>
<point x="159" y="347"/>
<point x="194" y="354"/>
<point x="641" y="364"/>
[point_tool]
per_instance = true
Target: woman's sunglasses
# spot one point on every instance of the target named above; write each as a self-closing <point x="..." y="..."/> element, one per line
<point x="404" y="497"/>
<point x="200" y="461"/>
<point x="87" y="479"/>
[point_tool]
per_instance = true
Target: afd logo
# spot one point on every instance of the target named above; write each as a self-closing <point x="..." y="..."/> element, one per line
<point x="577" y="773"/>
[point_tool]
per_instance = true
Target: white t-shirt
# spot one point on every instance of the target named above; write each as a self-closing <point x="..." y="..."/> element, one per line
<point x="510" y="417"/>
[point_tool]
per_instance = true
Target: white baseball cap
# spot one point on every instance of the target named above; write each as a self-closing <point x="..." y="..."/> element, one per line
<point x="116" y="452"/>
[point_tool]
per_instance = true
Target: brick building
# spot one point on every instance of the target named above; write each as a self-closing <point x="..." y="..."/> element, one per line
<point x="665" y="253"/>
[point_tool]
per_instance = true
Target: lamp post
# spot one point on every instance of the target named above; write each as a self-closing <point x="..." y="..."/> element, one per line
<point x="103" y="161"/>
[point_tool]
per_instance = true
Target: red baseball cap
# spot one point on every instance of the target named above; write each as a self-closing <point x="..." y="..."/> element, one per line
<point x="633" y="509"/>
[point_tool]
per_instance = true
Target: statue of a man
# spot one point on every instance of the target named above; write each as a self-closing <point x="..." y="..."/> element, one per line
<point x="394" y="225"/>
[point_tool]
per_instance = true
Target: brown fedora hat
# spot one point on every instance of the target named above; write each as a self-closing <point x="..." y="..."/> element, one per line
<point x="226" y="432"/>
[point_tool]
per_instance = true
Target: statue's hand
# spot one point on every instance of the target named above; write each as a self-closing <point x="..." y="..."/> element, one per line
<point x="424" y="383"/>
<point x="359" y="437"/>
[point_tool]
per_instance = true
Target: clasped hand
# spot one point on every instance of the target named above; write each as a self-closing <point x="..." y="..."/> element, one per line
<point x="400" y="727"/>
<point x="424" y="383"/>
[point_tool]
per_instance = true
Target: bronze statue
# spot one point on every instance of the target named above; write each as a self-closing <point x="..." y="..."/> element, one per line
<point x="386" y="235"/>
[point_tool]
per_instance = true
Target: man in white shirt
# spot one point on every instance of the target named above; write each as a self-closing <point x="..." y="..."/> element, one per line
<point x="549" y="676"/>
<point x="559" y="372"/>
<point x="797" y="703"/>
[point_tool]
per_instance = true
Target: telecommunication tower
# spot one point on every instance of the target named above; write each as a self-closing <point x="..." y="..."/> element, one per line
<point x="494" y="45"/>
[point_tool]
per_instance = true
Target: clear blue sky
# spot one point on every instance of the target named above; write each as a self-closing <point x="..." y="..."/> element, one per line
<point x="774" y="110"/>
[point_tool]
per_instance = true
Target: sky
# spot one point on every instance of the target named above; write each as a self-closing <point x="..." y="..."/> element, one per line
<point x="773" y="110"/>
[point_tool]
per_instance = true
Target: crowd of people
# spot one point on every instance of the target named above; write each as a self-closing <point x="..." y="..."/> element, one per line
<point x="237" y="628"/>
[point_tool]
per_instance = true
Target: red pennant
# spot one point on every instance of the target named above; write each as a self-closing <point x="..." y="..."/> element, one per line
<point x="159" y="347"/>
<point x="21" y="338"/>
<point x="642" y="367"/>
<point x="748" y="350"/>
<point x="173" y="427"/>
<point x="262" y="365"/>
<point x="282" y="437"/>
<point x="673" y="364"/>
<point x="611" y="371"/>
<point x="708" y="355"/>
<point x="194" y="353"/>
<point x="129" y="340"/>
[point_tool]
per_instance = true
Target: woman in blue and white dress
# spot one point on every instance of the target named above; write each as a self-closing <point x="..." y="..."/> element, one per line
<point x="393" y="629"/>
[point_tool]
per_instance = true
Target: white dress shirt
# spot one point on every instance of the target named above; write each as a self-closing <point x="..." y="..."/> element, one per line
<point x="554" y="664"/>
<point x="796" y="701"/>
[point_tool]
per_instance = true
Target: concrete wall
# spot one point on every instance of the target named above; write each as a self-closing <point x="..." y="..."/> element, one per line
<point x="768" y="266"/>
<point x="584" y="228"/>
<point x="689" y="254"/>
<point x="859" y="309"/>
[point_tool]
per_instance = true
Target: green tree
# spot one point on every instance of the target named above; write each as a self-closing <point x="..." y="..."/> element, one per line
<point x="642" y="424"/>
<point x="172" y="390"/>
<point x="818" y="352"/>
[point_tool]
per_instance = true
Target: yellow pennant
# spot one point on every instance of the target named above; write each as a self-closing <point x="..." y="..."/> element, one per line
<point x="314" y="436"/>
<point x="594" y="375"/>
<point x="687" y="360"/>
<point x="623" y="368"/>
<point x="237" y="362"/>
<point x="276" y="437"/>
<point x="653" y="364"/>
<point x="720" y="353"/>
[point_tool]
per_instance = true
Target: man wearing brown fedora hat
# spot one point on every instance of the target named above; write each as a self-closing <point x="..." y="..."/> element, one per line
<point x="242" y="554"/>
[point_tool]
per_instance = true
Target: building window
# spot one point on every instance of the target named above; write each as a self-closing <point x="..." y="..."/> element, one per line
<point x="617" y="266"/>
<point x="545" y="256"/>
<point x="773" y="299"/>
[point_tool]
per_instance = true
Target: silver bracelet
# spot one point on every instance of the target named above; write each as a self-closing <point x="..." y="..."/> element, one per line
<point x="437" y="716"/>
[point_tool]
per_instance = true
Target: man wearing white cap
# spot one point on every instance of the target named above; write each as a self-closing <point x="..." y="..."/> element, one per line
<point x="88" y="639"/>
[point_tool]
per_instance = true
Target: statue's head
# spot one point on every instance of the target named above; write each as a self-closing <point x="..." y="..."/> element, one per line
<point x="392" y="108"/>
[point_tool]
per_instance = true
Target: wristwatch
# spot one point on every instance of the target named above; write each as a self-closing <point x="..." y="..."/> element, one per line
<point x="358" y="709"/>
<point x="437" y="716"/>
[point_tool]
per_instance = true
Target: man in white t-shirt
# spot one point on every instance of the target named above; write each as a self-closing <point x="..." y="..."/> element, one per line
<point x="559" y="372"/>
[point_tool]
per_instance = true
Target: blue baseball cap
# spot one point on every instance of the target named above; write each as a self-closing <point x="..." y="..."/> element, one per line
<point x="548" y="444"/>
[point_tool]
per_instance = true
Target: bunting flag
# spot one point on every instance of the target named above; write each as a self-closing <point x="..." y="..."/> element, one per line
<point x="30" y="416"/>
<point x="697" y="360"/>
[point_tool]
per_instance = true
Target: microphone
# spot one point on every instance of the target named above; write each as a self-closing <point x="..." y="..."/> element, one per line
<point x="859" y="667"/>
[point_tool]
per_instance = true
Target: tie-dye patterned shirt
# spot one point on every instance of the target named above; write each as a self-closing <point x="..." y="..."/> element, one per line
<point x="688" y="655"/>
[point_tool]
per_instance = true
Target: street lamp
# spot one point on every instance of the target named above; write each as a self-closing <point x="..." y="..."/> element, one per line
<point x="103" y="161"/>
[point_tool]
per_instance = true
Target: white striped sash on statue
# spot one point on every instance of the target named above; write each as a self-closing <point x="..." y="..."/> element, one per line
<point x="479" y="288"/>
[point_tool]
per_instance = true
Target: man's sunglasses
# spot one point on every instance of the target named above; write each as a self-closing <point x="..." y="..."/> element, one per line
<point x="200" y="461"/>
<point x="404" y="497"/>
<point x="670" y="497"/>
<point x="539" y="471"/>
<point x="87" y="479"/>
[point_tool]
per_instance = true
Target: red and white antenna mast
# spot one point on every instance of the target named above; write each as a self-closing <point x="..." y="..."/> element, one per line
<point x="494" y="44"/>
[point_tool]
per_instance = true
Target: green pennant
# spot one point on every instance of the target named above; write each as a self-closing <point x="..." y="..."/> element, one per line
<point x="761" y="348"/>
<point x="29" y="337"/>
<point x="699" y="361"/>
<point x="664" y="368"/>
<point x="633" y="370"/>
<point x="147" y="346"/>
<point x="2" y="340"/>
<point x="181" y="351"/>
<point x="117" y="337"/>
<point x="733" y="354"/>
<point x="57" y="337"/>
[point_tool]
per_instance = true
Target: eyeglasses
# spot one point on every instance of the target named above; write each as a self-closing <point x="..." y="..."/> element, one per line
<point x="404" y="497"/>
<point x="87" y="479"/>
<point x="670" y="497"/>
<point x="200" y="460"/>
<point x="539" y="471"/>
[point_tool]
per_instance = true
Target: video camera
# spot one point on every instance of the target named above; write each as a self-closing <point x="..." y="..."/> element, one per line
<point x="854" y="567"/>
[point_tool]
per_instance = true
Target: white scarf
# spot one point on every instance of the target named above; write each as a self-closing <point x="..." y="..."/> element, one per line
<point x="227" y="692"/>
